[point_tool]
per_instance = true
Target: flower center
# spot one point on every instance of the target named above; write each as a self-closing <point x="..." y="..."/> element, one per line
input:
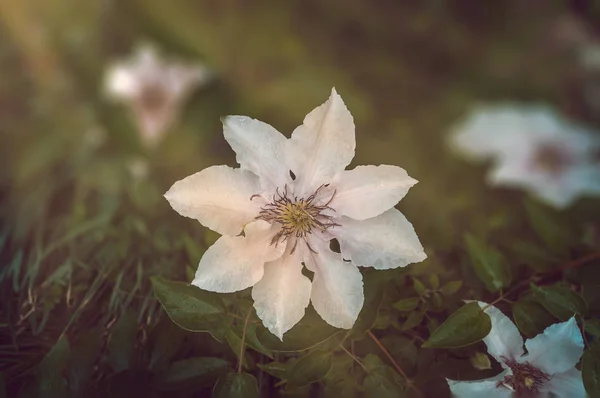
<point x="551" y="158"/>
<point x="297" y="217"/>
<point x="526" y="379"/>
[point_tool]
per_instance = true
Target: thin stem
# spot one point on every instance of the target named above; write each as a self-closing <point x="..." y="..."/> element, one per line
<point x="353" y="357"/>
<point x="241" y="361"/>
<point x="396" y="366"/>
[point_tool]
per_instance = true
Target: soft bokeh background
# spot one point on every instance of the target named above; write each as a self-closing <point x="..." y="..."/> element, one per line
<point x="83" y="229"/>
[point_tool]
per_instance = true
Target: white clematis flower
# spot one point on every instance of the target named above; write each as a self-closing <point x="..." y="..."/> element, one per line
<point x="534" y="149"/>
<point x="154" y="89"/>
<point x="547" y="368"/>
<point x="289" y="221"/>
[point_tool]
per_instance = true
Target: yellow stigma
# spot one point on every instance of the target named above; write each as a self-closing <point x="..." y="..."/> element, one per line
<point x="298" y="216"/>
<point x="528" y="382"/>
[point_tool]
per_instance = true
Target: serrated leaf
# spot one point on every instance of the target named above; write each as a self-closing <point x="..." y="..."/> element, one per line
<point x="192" y="371"/>
<point x="466" y="326"/>
<point x="451" y="287"/>
<point x="489" y="264"/>
<point x="560" y="301"/>
<point x="122" y="340"/>
<point x="407" y="304"/>
<point x="590" y="370"/>
<point x="234" y="385"/>
<point x="190" y="307"/>
<point x="310" y="368"/>
<point x="381" y="380"/>
<point x="531" y="318"/>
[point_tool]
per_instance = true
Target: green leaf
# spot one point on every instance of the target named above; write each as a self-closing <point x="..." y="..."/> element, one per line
<point x="50" y="381"/>
<point x="592" y="326"/>
<point x="190" y="307"/>
<point x="122" y="340"/>
<point x="489" y="264"/>
<point x="590" y="370"/>
<point x="83" y="358"/>
<point x="466" y="326"/>
<point x="414" y="319"/>
<point x="480" y="361"/>
<point x="277" y="369"/>
<point x="252" y="340"/>
<point x="310" y="368"/>
<point x="234" y="385"/>
<point x="531" y="318"/>
<point x="381" y="380"/>
<point x="419" y="287"/>
<point x="548" y="226"/>
<point x="407" y="304"/>
<point x="451" y="287"/>
<point x="560" y="301"/>
<point x="192" y="371"/>
<point x="309" y="332"/>
<point x="434" y="281"/>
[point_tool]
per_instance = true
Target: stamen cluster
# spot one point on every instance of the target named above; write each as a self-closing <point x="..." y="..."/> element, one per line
<point x="297" y="217"/>
<point x="526" y="379"/>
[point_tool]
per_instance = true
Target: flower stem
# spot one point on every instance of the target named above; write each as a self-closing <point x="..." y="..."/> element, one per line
<point x="396" y="366"/>
<point x="353" y="357"/>
<point x="241" y="359"/>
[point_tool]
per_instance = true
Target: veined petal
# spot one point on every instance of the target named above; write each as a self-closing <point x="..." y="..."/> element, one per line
<point x="337" y="288"/>
<point x="282" y="295"/>
<point x="557" y="349"/>
<point x="368" y="191"/>
<point x="258" y="147"/>
<point x="566" y="385"/>
<point x="218" y="197"/>
<point x="504" y="340"/>
<point x="383" y="242"/>
<point x="236" y="263"/>
<point x="487" y="388"/>
<point x="323" y="145"/>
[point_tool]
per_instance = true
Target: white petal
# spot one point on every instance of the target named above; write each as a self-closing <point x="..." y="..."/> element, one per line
<point x="557" y="349"/>
<point x="323" y="145"/>
<point x="258" y="147"/>
<point x="121" y="83"/>
<point x="218" y="197"/>
<point x="487" y="388"/>
<point x="236" y="263"/>
<point x="337" y="288"/>
<point x="566" y="385"/>
<point x="504" y="340"/>
<point x="368" y="191"/>
<point x="383" y="242"/>
<point x="282" y="295"/>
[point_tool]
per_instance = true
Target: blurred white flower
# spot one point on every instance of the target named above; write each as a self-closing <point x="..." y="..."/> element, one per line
<point x="138" y="168"/>
<point x="289" y="219"/>
<point x="548" y="366"/>
<point x="154" y="89"/>
<point x="534" y="149"/>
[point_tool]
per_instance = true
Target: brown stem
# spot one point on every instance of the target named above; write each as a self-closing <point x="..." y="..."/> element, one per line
<point x="396" y="366"/>
<point x="241" y="361"/>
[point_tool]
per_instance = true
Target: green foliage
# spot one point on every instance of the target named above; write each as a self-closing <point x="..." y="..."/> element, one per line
<point x="490" y="266"/>
<point x="236" y="385"/>
<point x="590" y="370"/>
<point x="96" y="266"/>
<point x="468" y="325"/>
<point x="560" y="301"/>
<point x="531" y="318"/>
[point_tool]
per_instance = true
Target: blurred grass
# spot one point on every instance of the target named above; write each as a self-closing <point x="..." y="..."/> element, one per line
<point x="81" y="235"/>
